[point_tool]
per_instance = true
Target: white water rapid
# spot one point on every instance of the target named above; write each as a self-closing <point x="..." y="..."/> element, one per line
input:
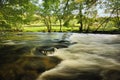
<point x="93" y="57"/>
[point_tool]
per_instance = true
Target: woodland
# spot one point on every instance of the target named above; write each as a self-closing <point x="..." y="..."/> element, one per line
<point x="60" y="15"/>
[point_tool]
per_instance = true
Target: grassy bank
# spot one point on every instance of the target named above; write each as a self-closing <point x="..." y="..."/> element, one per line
<point x="67" y="29"/>
<point x="56" y="28"/>
<point x="44" y="29"/>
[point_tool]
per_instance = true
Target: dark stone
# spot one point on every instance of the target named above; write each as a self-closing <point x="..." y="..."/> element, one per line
<point x="43" y="50"/>
<point x="61" y="46"/>
<point x="61" y="41"/>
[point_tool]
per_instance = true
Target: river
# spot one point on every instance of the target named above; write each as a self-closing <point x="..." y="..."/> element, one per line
<point x="59" y="56"/>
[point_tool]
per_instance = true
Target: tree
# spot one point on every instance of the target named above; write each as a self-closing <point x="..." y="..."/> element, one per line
<point x="112" y="9"/>
<point x="86" y="9"/>
<point x="14" y="12"/>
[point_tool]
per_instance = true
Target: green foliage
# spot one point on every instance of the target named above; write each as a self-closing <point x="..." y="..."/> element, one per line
<point x="4" y="25"/>
<point x="16" y="13"/>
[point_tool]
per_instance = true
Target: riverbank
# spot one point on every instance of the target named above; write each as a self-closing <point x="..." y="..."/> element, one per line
<point x="75" y="31"/>
<point x="63" y="29"/>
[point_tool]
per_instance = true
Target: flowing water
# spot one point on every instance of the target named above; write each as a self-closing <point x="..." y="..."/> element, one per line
<point x="59" y="56"/>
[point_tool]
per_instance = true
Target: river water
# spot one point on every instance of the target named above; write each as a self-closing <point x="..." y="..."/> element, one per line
<point x="59" y="56"/>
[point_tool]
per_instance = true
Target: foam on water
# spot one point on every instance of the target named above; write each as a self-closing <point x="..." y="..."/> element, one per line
<point x="93" y="53"/>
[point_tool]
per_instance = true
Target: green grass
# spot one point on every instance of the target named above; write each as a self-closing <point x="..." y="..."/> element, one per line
<point x="38" y="28"/>
<point x="34" y="29"/>
<point x="44" y="29"/>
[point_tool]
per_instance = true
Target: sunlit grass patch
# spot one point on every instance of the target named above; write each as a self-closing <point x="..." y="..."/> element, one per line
<point x="44" y="29"/>
<point x="34" y="29"/>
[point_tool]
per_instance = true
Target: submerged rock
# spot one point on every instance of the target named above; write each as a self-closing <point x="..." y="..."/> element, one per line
<point x="44" y="50"/>
<point x="27" y="67"/>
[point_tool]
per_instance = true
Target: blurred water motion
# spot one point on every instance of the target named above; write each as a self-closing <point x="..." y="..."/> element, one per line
<point x="59" y="56"/>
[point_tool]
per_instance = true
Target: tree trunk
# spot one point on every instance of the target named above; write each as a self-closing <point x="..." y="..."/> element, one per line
<point x="88" y="28"/>
<point x="50" y="26"/>
<point x="60" y="24"/>
<point x="80" y="17"/>
<point x="81" y="26"/>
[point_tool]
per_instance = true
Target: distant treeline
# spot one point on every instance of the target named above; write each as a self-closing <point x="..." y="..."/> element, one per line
<point x="14" y="15"/>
